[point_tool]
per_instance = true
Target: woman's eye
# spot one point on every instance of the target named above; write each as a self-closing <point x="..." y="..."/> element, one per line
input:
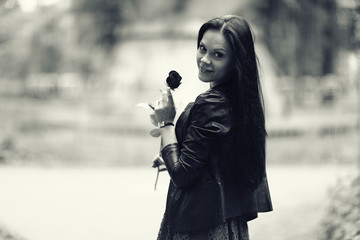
<point x="202" y="48"/>
<point x="218" y="55"/>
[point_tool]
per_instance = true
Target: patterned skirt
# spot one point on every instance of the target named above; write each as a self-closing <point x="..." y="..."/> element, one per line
<point x="232" y="229"/>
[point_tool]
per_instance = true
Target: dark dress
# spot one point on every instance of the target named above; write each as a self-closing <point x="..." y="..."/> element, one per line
<point x="233" y="229"/>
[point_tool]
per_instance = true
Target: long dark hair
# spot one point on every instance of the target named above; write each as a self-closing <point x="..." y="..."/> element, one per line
<point x="245" y="97"/>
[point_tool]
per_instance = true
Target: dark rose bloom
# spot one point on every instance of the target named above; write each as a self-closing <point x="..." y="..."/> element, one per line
<point x="173" y="80"/>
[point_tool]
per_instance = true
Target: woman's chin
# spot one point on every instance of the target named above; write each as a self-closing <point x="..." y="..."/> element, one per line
<point x="203" y="80"/>
<point x="203" y="77"/>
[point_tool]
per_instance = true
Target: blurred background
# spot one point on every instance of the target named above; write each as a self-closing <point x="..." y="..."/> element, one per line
<point x="75" y="151"/>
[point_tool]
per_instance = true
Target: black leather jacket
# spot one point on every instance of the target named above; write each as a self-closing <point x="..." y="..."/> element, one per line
<point x="200" y="194"/>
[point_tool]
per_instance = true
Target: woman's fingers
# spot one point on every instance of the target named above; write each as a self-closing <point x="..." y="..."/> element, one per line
<point x="165" y="107"/>
<point x="158" y="104"/>
<point x="153" y="119"/>
<point x="164" y="98"/>
<point x="169" y="96"/>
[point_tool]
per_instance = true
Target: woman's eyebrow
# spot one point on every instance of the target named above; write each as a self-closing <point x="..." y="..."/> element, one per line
<point x="216" y="49"/>
<point x="220" y="49"/>
<point x="223" y="49"/>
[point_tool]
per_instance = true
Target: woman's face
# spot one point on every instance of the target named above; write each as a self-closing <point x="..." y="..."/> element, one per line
<point x="214" y="58"/>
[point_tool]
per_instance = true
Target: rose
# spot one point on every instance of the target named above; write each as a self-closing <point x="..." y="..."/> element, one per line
<point x="173" y="80"/>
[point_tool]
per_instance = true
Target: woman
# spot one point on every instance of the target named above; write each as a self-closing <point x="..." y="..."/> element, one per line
<point x="215" y="155"/>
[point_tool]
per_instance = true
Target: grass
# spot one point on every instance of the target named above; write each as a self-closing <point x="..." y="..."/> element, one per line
<point x="77" y="133"/>
<point x="313" y="149"/>
<point x="342" y="217"/>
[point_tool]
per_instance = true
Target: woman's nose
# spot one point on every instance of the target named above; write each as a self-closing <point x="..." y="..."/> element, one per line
<point x="205" y="59"/>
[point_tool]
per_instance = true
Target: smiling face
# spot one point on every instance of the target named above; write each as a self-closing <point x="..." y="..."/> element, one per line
<point x="214" y="58"/>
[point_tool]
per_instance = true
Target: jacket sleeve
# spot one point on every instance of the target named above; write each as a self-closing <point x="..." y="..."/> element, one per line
<point x="210" y="120"/>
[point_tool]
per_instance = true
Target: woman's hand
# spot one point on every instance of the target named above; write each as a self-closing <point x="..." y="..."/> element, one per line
<point x="165" y="109"/>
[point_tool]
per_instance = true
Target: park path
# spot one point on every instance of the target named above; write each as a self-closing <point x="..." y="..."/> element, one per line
<point x="121" y="204"/>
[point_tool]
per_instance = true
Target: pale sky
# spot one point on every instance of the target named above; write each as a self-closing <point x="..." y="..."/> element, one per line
<point x="30" y="5"/>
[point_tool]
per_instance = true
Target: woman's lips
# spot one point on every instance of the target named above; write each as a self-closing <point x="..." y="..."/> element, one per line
<point x="204" y="70"/>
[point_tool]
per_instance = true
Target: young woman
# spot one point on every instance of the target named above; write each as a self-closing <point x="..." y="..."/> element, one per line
<point x="215" y="155"/>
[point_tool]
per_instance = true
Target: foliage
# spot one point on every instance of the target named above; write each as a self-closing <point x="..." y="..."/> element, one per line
<point x="13" y="35"/>
<point x="342" y="220"/>
<point x="102" y="18"/>
<point x="7" y="6"/>
<point x="80" y="39"/>
<point x="303" y="36"/>
<point x="6" y="235"/>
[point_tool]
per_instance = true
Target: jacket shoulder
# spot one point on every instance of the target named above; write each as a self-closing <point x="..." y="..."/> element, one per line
<point x="212" y="111"/>
<point x="212" y="97"/>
